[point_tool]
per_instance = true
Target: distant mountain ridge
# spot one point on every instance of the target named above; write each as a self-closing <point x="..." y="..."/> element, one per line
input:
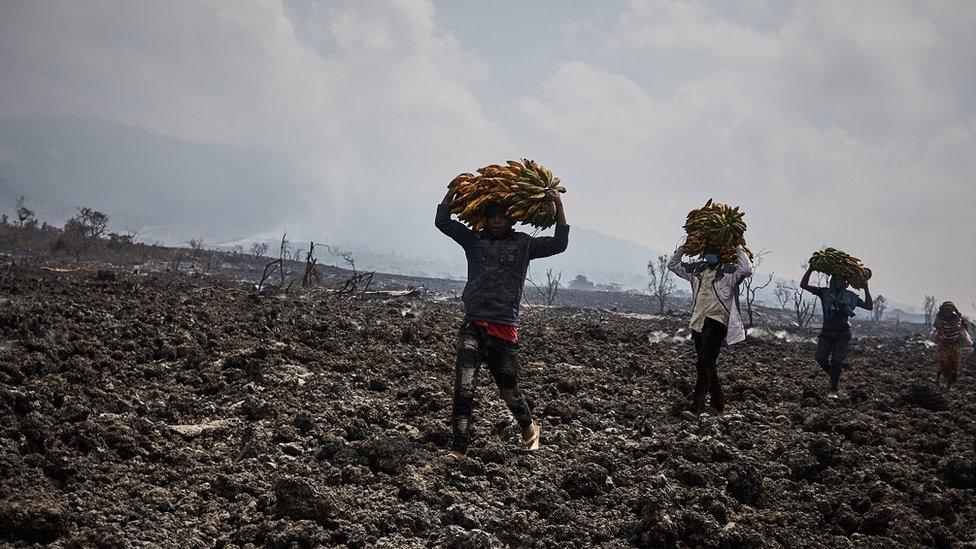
<point x="138" y="177"/>
<point x="170" y="190"/>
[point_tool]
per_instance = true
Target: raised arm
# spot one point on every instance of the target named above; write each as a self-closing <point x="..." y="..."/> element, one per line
<point x="676" y="266"/>
<point x="805" y="281"/>
<point x="545" y="246"/>
<point x="452" y="228"/>
<point x="560" y="213"/>
<point x="743" y="267"/>
<point x="868" y="302"/>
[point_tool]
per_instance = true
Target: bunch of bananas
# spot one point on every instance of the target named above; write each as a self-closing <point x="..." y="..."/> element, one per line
<point x="832" y="261"/>
<point x="522" y="188"/>
<point x="714" y="228"/>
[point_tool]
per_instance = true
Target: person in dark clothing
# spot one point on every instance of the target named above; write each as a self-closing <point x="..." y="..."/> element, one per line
<point x="838" y="304"/>
<point x="708" y="345"/>
<point x="498" y="259"/>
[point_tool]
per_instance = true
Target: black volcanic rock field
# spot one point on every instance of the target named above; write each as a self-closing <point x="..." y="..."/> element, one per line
<point x="171" y="411"/>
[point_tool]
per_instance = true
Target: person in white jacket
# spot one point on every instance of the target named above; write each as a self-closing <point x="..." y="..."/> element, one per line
<point x="715" y="319"/>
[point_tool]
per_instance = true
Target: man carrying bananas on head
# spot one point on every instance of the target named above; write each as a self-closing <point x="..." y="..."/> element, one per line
<point x="715" y="318"/>
<point x="835" y="337"/>
<point x="498" y="259"/>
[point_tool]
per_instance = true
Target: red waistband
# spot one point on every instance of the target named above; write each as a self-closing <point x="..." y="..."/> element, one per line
<point x="501" y="331"/>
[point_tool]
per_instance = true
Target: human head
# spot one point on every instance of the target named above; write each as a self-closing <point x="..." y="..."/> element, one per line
<point x="838" y="282"/>
<point x="712" y="259"/>
<point x="497" y="221"/>
<point x="948" y="310"/>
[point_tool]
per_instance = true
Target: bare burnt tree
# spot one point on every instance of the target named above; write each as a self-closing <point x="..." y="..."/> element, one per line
<point x="549" y="289"/>
<point x="24" y="214"/>
<point x="928" y="305"/>
<point x="880" y="304"/>
<point x="661" y="283"/>
<point x="95" y="221"/>
<point x="284" y="250"/>
<point x="751" y="286"/>
<point x="258" y="249"/>
<point x="358" y="282"/>
<point x="275" y="266"/>
<point x="346" y="256"/>
<point x="311" y="274"/>
<point x="793" y="298"/>
<point x="782" y="294"/>
<point x="196" y="245"/>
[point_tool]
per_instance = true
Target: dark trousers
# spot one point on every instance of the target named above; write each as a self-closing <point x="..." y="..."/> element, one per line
<point x="832" y="348"/>
<point x="475" y="347"/>
<point x="708" y="344"/>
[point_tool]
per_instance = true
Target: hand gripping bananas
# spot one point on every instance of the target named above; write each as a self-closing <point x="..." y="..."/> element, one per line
<point x="832" y="261"/>
<point x="715" y="228"/>
<point x="523" y="188"/>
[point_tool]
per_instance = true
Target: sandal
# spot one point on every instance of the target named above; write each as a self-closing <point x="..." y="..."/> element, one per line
<point x="531" y="444"/>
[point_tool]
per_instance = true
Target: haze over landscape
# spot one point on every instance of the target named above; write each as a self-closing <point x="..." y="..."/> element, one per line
<point x="237" y="307"/>
<point x="343" y="121"/>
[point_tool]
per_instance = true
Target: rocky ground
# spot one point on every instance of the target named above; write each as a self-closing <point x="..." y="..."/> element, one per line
<point x="170" y="411"/>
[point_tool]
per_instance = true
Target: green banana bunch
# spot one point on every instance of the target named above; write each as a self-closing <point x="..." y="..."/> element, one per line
<point x="832" y="261"/>
<point x="714" y="227"/>
<point x="522" y="188"/>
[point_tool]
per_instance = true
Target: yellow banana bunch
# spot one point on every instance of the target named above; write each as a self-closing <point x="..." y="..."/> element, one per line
<point x="832" y="261"/>
<point x="714" y="227"/>
<point x="523" y="188"/>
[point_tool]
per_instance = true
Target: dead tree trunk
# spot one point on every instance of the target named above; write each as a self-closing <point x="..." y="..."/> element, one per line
<point x="751" y="287"/>
<point x="551" y="288"/>
<point x="311" y="274"/>
<point x="270" y="269"/>
<point x="661" y="281"/>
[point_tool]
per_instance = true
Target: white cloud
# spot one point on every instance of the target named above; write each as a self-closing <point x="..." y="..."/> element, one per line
<point x="371" y="98"/>
<point x="663" y="27"/>
<point x="851" y="123"/>
<point x="835" y="126"/>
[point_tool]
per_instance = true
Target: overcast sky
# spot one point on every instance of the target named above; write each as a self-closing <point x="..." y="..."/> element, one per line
<point x="851" y="124"/>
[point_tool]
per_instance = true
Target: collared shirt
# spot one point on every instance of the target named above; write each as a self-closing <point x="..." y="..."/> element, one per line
<point x="838" y="307"/>
<point x="707" y="303"/>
